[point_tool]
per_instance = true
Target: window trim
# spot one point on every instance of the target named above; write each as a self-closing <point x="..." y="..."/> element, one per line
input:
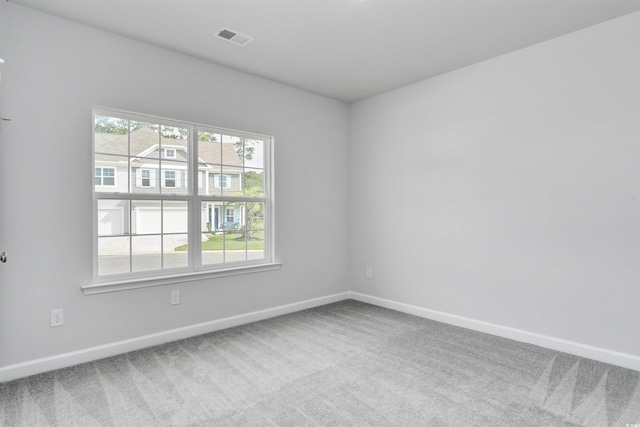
<point x="218" y="178"/>
<point x="102" y="184"/>
<point x="166" y="153"/>
<point x="175" y="178"/>
<point x="195" y="269"/>
<point x="146" y="282"/>
<point x="152" y="177"/>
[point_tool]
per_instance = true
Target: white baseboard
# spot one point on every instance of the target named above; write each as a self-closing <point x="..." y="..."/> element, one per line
<point x="46" y="364"/>
<point x="603" y="355"/>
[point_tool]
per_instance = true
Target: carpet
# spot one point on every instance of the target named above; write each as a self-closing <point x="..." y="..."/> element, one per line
<point x="343" y="364"/>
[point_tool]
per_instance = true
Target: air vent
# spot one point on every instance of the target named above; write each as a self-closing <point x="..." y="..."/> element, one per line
<point x="234" y="36"/>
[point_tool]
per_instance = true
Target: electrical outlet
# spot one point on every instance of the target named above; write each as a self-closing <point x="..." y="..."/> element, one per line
<point x="175" y="297"/>
<point x="368" y="273"/>
<point x="57" y="318"/>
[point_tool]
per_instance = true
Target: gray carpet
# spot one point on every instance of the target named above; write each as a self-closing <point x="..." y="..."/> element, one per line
<point x="342" y="364"/>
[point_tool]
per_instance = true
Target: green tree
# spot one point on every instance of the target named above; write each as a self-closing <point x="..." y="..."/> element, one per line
<point x="111" y="125"/>
<point x="245" y="148"/>
<point x="118" y="126"/>
<point x="207" y="136"/>
<point x="253" y="180"/>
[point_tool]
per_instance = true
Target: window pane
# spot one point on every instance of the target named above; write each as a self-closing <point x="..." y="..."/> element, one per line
<point x="145" y="176"/>
<point x="175" y="253"/>
<point x="145" y="217"/>
<point x="210" y="155"/>
<point x="113" y="217"/>
<point x="174" y="179"/>
<point x="254" y="216"/>
<point x="212" y="252"/>
<point x="175" y="218"/>
<point x="145" y="253"/>
<point x="111" y="135"/>
<point x="230" y="181"/>
<point x="213" y="218"/>
<point x="145" y="140"/>
<point x="174" y="143"/>
<point x="113" y="255"/>
<point x="232" y="148"/>
<point x="253" y="182"/>
<point x="235" y="246"/>
<point x="254" y="153"/>
<point x="256" y="247"/>
<point x="211" y="225"/>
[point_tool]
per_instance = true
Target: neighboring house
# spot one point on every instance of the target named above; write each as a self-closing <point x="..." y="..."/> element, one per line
<point x="145" y="162"/>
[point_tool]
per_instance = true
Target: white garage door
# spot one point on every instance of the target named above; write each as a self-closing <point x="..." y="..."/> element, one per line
<point x="148" y="220"/>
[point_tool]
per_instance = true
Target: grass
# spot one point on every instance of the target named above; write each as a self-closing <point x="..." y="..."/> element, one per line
<point x="217" y="242"/>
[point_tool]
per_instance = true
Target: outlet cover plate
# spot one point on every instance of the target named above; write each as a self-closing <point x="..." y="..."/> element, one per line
<point x="57" y="318"/>
<point x="175" y="297"/>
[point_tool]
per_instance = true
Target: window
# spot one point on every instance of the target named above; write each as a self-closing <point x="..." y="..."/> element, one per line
<point x="105" y="176"/>
<point x="145" y="178"/>
<point x="221" y="181"/>
<point x="231" y="216"/>
<point x="158" y="226"/>
<point x="169" y="179"/>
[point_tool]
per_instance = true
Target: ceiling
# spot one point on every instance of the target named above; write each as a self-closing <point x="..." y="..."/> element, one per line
<point x="343" y="49"/>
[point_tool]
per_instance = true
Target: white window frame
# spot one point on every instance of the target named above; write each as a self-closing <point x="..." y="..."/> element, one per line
<point x="102" y="168"/>
<point x="218" y="180"/>
<point x="233" y="215"/>
<point x="175" y="178"/>
<point x="195" y="269"/>
<point x="166" y="153"/>
<point x="140" y="180"/>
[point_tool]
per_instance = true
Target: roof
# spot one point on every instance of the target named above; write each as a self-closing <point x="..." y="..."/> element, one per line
<point x="146" y="139"/>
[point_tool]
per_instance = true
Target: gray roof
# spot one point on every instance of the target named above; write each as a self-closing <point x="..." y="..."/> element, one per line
<point x="146" y="138"/>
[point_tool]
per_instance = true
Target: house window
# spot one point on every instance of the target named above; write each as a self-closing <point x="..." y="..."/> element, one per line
<point x="221" y="180"/>
<point x="105" y="177"/>
<point x="170" y="228"/>
<point x="231" y="216"/>
<point x="169" y="178"/>
<point x="145" y="178"/>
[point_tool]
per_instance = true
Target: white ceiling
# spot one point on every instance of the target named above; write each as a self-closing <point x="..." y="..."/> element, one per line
<point x="344" y="49"/>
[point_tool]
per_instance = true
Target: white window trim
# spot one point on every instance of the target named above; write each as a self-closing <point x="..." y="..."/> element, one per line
<point x="175" y="179"/>
<point x="146" y="282"/>
<point x="219" y="176"/>
<point x="152" y="177"/>
<point x="195" y="270"/>
<point x="166" y="153"/>
<point x="102" y="168"/>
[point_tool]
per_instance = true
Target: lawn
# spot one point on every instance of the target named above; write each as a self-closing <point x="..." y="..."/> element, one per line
<point x="217" y="242"/>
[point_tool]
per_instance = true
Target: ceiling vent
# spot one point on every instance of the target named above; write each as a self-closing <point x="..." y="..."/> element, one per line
<point x="234" y="36"/>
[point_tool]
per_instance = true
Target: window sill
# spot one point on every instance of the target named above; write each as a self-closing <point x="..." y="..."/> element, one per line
<point x="145" y="282"/>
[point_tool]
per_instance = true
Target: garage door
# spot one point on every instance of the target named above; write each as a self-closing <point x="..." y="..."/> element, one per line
<point x="148" y="220"/>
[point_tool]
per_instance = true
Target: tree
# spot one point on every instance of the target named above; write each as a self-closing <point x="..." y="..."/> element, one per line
<point x="245" y="148"/>
<point x="111" y="125"/>
<point x="253" y="180"/>
<point x="207" y="137"/>
<point x="118" y="126"/>
<point x="174" y="133"/>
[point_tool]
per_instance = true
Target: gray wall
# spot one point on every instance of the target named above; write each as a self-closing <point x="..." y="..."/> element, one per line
<point x="55" y="71"/>
<point x="514" y="184"/>
<point x="505" y="192"/>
